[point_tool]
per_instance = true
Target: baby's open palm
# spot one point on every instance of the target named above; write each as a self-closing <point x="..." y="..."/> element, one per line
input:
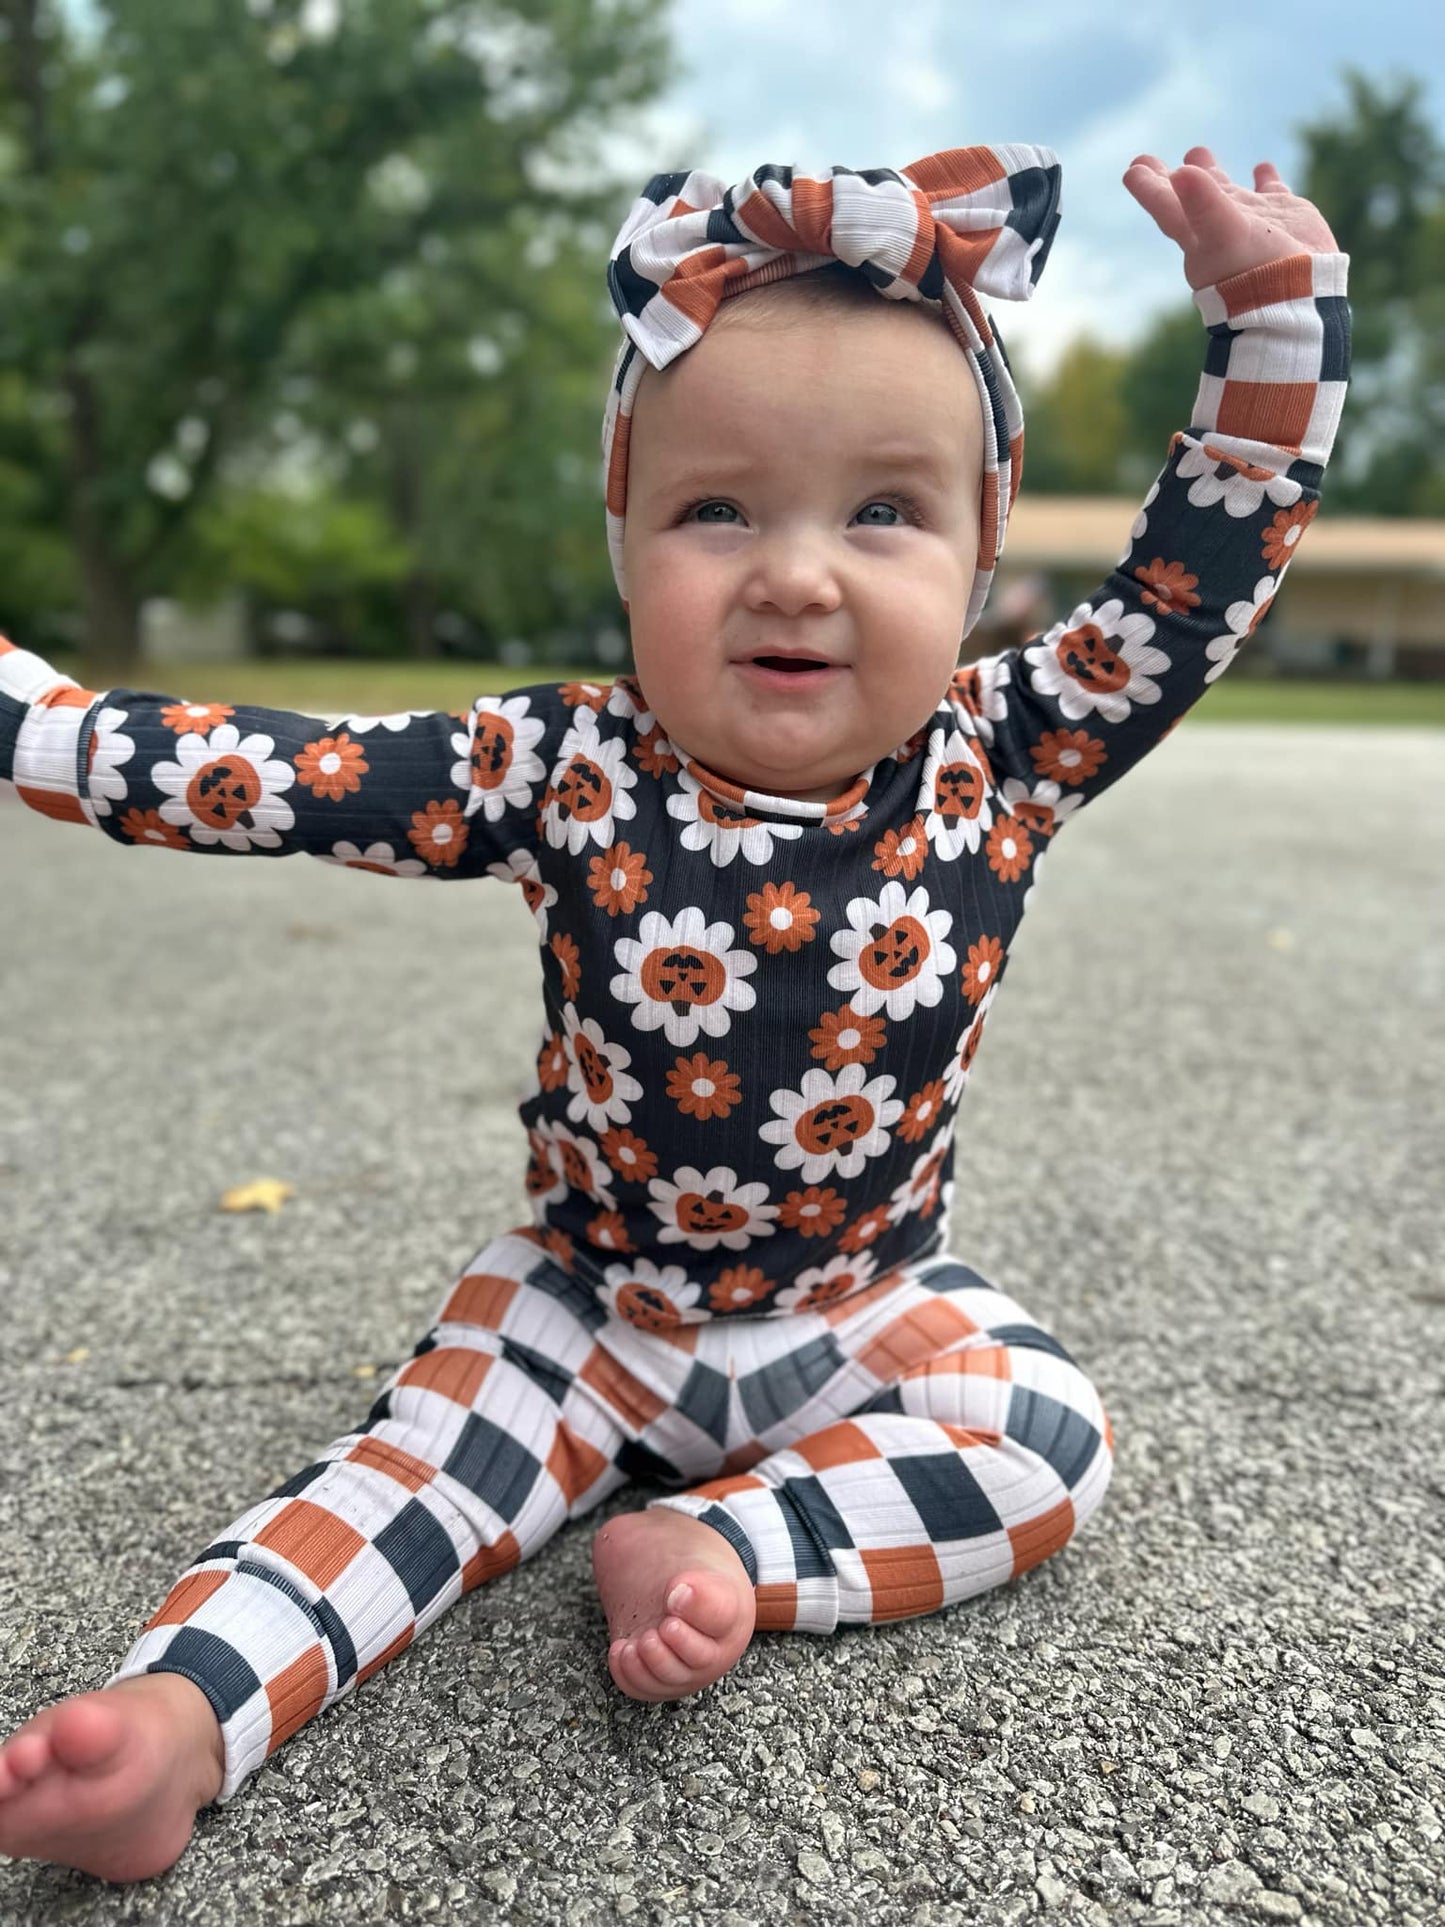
<point x="1222" y="227"/>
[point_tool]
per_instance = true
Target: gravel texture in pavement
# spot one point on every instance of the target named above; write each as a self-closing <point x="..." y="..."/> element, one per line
<point x="1205" y="1144"/>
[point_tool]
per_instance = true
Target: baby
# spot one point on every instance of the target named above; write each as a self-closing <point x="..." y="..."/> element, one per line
<point x="775" y="876"/>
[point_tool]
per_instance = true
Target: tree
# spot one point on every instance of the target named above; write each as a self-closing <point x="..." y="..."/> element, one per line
<point x="187" y="185"/>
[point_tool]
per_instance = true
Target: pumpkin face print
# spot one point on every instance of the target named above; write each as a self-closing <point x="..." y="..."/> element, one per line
<point x="1037" y="817"/>
<point x="585" y="792"/>
<point x="541" y="1171"/>
<point x="709" y="1215"/>
<point x="834" y="1125"/>
<point x="896" y="954"/>
<point x="594" y="1068"/>
<point x="491" y="751"/>
<point x="223" y="794"/>
<point x="575" y="1167"/>
<point x="647" y="1307"/>
<point x="683" y="976"/>
<point x="1086" y="656"/>
<point x="958" y="791"/>
<point x="727" y="816"/>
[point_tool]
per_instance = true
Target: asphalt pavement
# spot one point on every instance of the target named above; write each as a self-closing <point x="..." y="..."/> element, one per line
<point x="1204" y="1143"/>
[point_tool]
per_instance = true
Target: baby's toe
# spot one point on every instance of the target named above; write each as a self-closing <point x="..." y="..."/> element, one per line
<point x="692" y="1647"/>
<point x="706" y="1600"/>
<point x="660" y="1662"/>
<point x="26" y="1756"/>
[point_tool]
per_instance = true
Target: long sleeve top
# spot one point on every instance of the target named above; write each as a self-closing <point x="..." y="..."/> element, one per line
<point x="759" y="1014"/>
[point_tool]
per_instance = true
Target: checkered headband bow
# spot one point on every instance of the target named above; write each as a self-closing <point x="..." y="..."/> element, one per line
<point x="947" y="228"/>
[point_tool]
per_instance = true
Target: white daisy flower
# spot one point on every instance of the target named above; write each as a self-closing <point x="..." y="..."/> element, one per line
<point x="656" y="1298"/>
<point x="581" y="1161"/>
<point x="705" y="1209"/>
<point x="682" y="976"/>
<point x="954" y="794"/>
<point x="546" y="1181"/>
<point x="597" y="1074"/>
<point x="591" y="792"/>
<point x="822" y="1285"/>
<point x="832" y="1123"/>
<point x="376" y="856"/>
<point x="1099" y="660"/>
<point x="956" y="1076"/>
<point x="1141" y="523"/>
<point x="919" y="1193"/>
<point x="499" y="768"/>
<point x="398" y="721"/>
<point x="521" y="867"/>
<point x="722" y="829"/>
<point x="225" y="788"/>
<point x="895" y="956"/>
<point x="1243" y="617"/>
<point x="108" y="750"/>
<point x="1216" y="479"/>
<point x="1041" y="805"/>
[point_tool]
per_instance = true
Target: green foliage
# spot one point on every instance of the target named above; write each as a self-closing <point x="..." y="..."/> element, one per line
<point x="193" y="194"/>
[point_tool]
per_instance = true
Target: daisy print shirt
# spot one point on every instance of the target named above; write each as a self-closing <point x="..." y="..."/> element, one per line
<point x="759" y="1015"/>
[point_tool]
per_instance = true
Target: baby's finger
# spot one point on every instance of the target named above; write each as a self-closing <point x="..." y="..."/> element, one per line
<point x="1266" y="178"/>
<point x="1203" y="157"/>
<point x="1149" y="182"/>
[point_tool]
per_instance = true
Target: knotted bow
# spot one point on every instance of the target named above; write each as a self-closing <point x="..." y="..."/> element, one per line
<point x="949" y="226"/>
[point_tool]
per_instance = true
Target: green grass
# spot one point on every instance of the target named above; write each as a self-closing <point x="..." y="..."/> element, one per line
<point x="377" y="688"/>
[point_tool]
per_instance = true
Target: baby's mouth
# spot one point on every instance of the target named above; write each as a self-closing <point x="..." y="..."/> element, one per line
<point x="790" y="665"/>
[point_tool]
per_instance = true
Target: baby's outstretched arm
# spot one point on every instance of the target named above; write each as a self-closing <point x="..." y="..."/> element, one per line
<point x="417" y="794"/>
<point x="1067" y="714"/>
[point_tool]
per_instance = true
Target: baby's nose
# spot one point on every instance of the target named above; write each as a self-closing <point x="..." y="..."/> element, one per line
<point x="794" y="575"/>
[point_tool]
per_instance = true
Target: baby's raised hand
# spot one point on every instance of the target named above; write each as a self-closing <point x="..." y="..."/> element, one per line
<point x="1224" y="228"/>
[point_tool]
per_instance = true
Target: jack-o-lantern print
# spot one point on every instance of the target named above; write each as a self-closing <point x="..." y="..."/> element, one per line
<point x="227" y="789"/>
<point x="603" y="1092"/>
<point x="895" y="953"/>
<point x="921" y="1192"/>
<point x="544" y="1180"/>
<point x="1098" y="662"/>
<point x="705" y="1209"/>
<point x="683" y="976"/>
<point x="654" y="1298"/>
<point x="590" y="791"/>
<point x="822" y="1285"/>
<point x="580" y="1161"/>
<point x="955" y="796"/>
<point x="832" y="1123"/>
<point x="724" y="828"/>
<point x="956" y="1077"/>
<point x="521" y="868"/>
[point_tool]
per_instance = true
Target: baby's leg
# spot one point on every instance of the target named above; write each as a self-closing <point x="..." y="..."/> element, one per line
<point x="977" y="1453"/>
<point x="475" y="1452"/>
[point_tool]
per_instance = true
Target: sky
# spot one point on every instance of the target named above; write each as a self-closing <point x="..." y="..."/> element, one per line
<point x="861" y="84"/>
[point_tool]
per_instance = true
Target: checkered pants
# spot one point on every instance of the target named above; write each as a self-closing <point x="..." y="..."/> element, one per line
<point x="917" y="1442"/>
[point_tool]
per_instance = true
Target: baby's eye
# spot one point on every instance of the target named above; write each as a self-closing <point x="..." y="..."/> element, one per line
<point x="879" y="515"/>
<point x="704" y="512"/>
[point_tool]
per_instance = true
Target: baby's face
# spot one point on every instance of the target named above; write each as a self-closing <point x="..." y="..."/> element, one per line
<point x="802" y="528"/>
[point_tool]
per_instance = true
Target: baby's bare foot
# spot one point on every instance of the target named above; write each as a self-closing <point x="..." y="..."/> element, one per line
<point x="111" y="1782"/>
<point x="680" y="1606"/>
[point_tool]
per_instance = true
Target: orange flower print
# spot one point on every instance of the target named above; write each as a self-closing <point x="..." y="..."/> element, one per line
<point x="985" y="961"/>
<point x="703" y="1088"/>
<point x="585" y="695"/>
<point x="1010" y="849"/>
<point x="844" y="1037"/>
<point x="203" y="717"/>
<point x="737" y="1288"/>
<point x="900" y="853"/>
<point x="560" y="1246"/>
<point x="567" y="954"/>
<point x="1282" y="536"/>
<point x="609" y="1230"/>
<point x="964" y="684"/>
<point x="1068" y="755"/>
<point x="864" y="1230"/>
<point x="1169" y="587"/>
<point x="629" y="1156"/>
<point x="922" y="1111"/>
<point x="845" y="826"/>
<point x="654" y="755"/>
<point x="332" y="766"/>
<point x="813" y="1212"/>
<point x="149" y="826"/>
<point x="780" y="917"/>
<point x="552" y="1062"/>
<point x="438" y="833"/>
<point x="618" y="879"/>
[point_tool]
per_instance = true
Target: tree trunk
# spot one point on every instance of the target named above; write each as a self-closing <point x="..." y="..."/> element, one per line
<point x="110" y="601"/>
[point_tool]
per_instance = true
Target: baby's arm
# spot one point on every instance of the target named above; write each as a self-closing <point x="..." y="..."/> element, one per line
<point x="418" y="794"/>
<point x="1067" y="714"/>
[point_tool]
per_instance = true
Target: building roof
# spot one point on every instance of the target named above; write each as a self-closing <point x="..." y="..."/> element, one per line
<point x="1090" y="531"/>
